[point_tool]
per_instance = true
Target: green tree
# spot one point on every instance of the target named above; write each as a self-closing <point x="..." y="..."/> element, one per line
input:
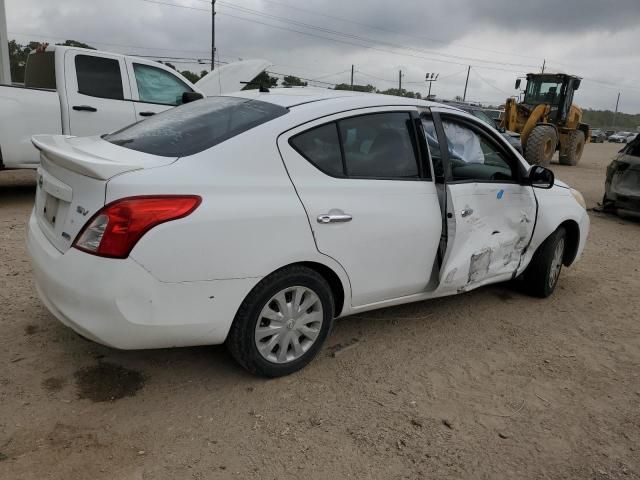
<point x="75" y="43"/>
<point x="192" y="77"/>
<point x="262" y="80"/>
<point x="18" y="54"/>
<point x="291" y="81"/>
<point x="401" y="93"/>
<point x="356" y="88"/>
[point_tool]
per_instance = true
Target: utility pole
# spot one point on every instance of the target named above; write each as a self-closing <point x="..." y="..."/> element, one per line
<point x="351" y="77"/>
<point x="400" y="82"/>
<point x="213" y="34"/>
<point x="5" y="70"/>
<point x="616" y="112"/>
<point x="544" y="64"/>
<point x="430" y="78"/>
<point x="466" y="84"/>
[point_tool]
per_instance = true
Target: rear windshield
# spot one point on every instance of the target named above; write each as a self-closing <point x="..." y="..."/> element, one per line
<point x="196" y="126"/>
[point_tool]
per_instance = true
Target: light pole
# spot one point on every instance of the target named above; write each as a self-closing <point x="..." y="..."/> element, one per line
<point x="5" y="71"/>
<point x="430" y="78"/>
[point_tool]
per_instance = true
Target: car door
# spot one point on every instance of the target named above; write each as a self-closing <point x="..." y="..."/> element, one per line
<point x="98" y="93"/>
<point x="154" y="88"/>
<point x="370" y="201"/>
<point x="490" y="210"/>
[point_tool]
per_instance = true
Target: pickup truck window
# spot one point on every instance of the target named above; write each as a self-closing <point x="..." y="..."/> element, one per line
<point x="99" y="77"/>
<point x="158" y="86"/>
<point x="196" y="126"/>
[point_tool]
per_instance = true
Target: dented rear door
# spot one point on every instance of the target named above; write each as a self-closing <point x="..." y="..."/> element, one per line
<point x="490" y="213"/>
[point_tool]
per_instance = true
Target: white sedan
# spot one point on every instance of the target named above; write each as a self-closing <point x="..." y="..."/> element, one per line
<point x="256" y="219"/>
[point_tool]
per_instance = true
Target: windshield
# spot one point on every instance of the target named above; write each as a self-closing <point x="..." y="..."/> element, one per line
<point x="542" y="91"/>
<point x="196" y="126"/>
<point x="484" y="117"/>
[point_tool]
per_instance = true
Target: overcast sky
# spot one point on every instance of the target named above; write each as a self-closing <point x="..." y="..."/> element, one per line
<point x="501" y="39"/>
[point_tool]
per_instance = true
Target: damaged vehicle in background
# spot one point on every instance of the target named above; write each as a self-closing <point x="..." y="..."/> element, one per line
<point x="622" y="185"/>
<point x="598" y="136"/>
<point x="256" y="219"/>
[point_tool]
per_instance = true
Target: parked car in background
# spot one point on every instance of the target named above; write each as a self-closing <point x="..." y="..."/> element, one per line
<point x="77" y="91"/>
<point x="256" y="219"/>
<point x="622" y="137"/>
<point x="487" y="116"/>
<point x="622" y="185"/>
<point x="608" y="133"/>
<point x="598" y="136"/>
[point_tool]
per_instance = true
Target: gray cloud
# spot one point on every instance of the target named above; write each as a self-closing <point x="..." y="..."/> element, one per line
<point x="589" y="37"/>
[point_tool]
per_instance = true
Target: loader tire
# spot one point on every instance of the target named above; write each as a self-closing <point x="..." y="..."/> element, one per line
<point x="541" y="145"/>
<point x="573" y="151"/>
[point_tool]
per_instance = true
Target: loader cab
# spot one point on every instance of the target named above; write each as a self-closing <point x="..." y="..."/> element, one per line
<point x="555" y="90"/>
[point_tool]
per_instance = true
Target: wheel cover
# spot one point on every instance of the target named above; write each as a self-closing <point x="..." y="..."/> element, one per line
<point x="556" y="263"/>
<point x="289" y="324"/>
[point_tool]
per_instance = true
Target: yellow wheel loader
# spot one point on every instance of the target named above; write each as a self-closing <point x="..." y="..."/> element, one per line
<point x="547" y="120"/>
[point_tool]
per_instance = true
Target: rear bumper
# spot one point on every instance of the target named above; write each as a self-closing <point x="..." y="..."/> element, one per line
<point x="119" y="304"/>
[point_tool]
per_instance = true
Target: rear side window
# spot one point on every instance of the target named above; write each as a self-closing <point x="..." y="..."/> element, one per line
<point x="196" y="126"/>
<point x="40" y="71"/>
<point x="99" y="77"/>
<point x="321" y="146"/>
<point x="378" y="146"/>
<point x="158" y="86"/>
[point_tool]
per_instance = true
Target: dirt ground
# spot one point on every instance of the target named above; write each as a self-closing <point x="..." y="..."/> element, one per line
<point x="491" y="384"/>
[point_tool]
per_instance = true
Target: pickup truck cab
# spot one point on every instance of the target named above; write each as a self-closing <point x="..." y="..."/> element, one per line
<point x="79" y="92"/>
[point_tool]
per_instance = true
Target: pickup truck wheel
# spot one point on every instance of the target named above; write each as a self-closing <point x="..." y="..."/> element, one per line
<point x="541" y="145"/>
<point x="574" y="148"/>
<point x="541" y="276"/>
<point x="282" y="324"/>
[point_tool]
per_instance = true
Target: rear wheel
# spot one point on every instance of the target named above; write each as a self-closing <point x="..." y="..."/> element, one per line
<point x="574" y="148"/>
<point x="541" y="145"/>
<point x="541" y="276"/>
<point x="282" y="324"/>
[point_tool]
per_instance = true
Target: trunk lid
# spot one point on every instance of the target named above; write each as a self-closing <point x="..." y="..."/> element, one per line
<point x="72" y="180"/>
<point x="228" y="78"/>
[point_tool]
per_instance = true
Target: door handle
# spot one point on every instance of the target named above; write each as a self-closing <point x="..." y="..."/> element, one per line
<point x="146" y="114"/>
<point x="334" y="218"/>
<point x="84" y="108"/>
<point x="466" y="212"/>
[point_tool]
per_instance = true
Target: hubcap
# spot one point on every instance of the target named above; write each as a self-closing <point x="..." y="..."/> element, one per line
<point x="289" y="324"/>
<point x="556" y="263"/>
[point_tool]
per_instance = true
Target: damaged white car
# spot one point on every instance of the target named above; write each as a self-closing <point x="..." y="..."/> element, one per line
<point x="256" y="219"/>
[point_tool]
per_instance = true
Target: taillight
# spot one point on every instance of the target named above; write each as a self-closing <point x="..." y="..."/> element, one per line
<point x="117" y="227"/>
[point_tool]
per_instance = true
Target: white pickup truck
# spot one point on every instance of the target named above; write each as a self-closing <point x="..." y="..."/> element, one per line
<point x="80" y="92"/>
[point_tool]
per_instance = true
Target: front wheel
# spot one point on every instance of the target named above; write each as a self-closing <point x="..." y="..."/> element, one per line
<point x="541" y="145"/>
<point x="572" y="151"/>
<point x="541" y="276"/>
<point x="282" y="324"/>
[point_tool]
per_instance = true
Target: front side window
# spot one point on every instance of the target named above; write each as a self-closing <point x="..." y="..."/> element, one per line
<point x="196" y="126"/>
<point x="473" y="157"/>
<point x="158" y="86"/>
<point x="379" y="146"/>
<point x="99" y="77"/>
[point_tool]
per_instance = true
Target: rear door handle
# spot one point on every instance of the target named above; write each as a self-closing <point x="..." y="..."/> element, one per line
<point x="146" y="114"/>
<point x="466" y="212"/>
<point x="334" y="218"/>
<point x="84" y="108"/>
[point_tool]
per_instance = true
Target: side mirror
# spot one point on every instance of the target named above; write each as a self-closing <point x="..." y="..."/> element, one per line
<point x="191" y="97"/>
<point x="541" y="177"/>
<point x="518" y="82"/>
<point x="576" y="84"/>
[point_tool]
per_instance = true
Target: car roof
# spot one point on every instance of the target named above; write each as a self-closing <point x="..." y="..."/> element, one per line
<point x="298" y="96"/>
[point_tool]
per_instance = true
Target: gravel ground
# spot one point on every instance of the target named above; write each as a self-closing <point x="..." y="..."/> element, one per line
<point x="491" y="384"/>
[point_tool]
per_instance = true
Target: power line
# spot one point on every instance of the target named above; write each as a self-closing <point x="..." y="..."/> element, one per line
<point x="333" y="32"/>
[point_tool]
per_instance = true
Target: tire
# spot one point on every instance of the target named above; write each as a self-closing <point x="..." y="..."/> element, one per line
<point x="289" y="326"/>
<point x="541" y="276"/>
<point x="541" y="145"/>
<point x="574" y="148"/>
